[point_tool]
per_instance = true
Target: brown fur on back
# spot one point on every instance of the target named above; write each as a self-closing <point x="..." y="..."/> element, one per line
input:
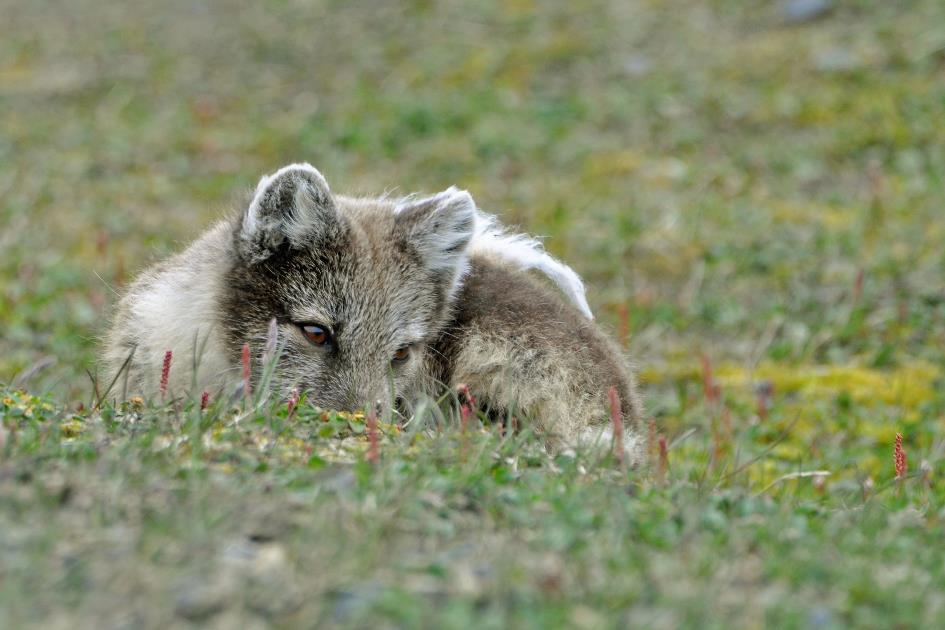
<point x="521" y="345"/>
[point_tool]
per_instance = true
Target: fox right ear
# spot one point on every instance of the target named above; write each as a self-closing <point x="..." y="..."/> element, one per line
<point x="440" y="229"/>
<point x="292" y="205"/>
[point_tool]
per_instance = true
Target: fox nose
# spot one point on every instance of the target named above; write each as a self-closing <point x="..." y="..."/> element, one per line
<point x="379" y="405"/>
<point x="365" y="400"/>
<point x="367" y="394"/>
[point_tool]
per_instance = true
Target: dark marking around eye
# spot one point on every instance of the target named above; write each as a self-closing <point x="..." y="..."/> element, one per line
<point x="401" y="355"/>
<point x="316" y="334"/>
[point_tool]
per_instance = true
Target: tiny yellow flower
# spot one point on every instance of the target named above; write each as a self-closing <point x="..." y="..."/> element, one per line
<point x="71" y="428"/>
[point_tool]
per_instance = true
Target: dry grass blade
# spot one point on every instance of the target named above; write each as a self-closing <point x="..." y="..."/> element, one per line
<point x="778" y="440"/>
<point x="794" y="475"/>
<point x="111" y="385"/>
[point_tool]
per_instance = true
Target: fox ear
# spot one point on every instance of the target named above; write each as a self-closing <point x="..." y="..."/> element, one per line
<point x="292" y="205"/>
<point x="440" y="228"/>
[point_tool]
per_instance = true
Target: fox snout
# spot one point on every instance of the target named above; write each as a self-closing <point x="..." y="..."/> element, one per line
<point x="356" y="397"/>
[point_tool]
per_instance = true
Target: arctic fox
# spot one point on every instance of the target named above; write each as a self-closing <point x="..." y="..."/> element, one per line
<point x="376" y="301"/>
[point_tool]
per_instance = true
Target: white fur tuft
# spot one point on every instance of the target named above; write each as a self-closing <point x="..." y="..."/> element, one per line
<point x="491" y="239"/>
<point x="265" y="180"/>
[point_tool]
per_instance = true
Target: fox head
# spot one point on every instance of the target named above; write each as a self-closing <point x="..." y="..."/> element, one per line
<point x="359" y="288"/>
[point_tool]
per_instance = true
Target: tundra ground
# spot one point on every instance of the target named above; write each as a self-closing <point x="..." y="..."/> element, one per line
<point x="754" y="197"/>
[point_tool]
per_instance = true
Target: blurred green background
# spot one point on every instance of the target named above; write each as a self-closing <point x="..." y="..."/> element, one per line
<point x="724" y="169"/>
<point x="753" y="192"/>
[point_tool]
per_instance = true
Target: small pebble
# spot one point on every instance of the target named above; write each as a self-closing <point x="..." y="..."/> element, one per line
<point x="197" y="601"/>
<point x="801" y="11"/>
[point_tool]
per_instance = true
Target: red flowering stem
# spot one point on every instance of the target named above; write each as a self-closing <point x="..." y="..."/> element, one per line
<point x="623" y="334"/>
<point x="617" y="420"/>
<point x="467" y="404"/>
<point x="899" y="457"/>
<point x="468" y="398"/>
<point x="765" y="396"/>
<point x="247" y="388"/>
<point x="166" y="372"/>
<point x="710" y="390"/>
<point x="858" y="286"/>
<point x="374" y="448"/>
<point x="204" y="401"/>
<point x="721" y="434"/>
<point x="464" y="412"/>
<point x="664" y="458"/>
<point x="293" y="403"/>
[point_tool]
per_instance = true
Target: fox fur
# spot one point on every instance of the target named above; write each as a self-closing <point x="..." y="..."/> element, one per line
<point x="413" y="295"/>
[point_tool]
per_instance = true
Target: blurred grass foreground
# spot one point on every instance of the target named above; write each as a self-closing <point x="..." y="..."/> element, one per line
<point x="753" y="192"/>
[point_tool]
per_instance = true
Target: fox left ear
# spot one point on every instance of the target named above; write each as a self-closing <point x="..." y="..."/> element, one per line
<point x="292" y="205"/>
<point x="440" y="228"/>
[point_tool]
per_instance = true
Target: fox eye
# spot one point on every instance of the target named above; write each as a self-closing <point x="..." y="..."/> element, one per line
<point x="402" y="354"/>
<point x="317" y="335"/>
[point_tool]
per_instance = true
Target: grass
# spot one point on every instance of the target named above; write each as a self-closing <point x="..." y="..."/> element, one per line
<point x="756" y="206"/>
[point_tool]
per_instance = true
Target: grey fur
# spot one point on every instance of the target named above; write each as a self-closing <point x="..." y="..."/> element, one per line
<point x="380" y="275"/>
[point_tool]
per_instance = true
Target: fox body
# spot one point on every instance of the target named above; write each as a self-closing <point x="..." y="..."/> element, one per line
<point x="376" y="301"/>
